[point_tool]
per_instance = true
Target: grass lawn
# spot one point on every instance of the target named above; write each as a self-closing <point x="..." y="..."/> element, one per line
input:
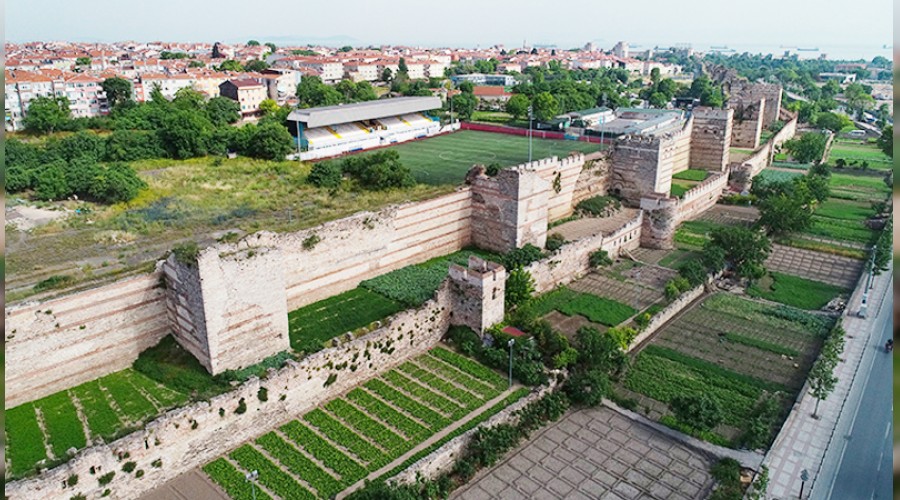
<point x="596" y="309"/>
<point x="680" y="187"/>
<point x="859" y="152"/>
<point x="691" y="175"/>
<point x="794" y="291"/>
<point x="446" y="159"/>
<point x="310" y="327"/>
<point x="777" y="175"/>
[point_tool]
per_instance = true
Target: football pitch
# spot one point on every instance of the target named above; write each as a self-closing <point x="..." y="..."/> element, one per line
<point x="446" y="159"/>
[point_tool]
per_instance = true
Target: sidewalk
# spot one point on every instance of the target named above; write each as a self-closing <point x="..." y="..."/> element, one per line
<point x="803" y="441"/>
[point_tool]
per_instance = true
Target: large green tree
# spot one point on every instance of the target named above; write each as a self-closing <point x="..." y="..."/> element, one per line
<point x="271" y="141"/>
<point x="886" y="140"/>
<point x="223" y="111"/>
<point x="783" y="214"/>
<point x="47" y="114"/>
<point x="745" y="249"/>
<point x="545" y="106"/>
<point x="185" y="134"/>
<point x="517" y="105"/>
<point x="808" y="148"/>
<point x="118" y="90"/>
<point x="464" y="105"/>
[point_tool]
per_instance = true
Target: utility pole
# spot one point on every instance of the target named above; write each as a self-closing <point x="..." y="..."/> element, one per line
<point x="530" y="130"/>
<point x="510" y="344"/>
<point x="251" y="478"/>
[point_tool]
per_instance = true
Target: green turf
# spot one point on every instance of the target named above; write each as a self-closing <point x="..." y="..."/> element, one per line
<point x="777" y="175"/>
<point x="691" y="175"/>
<point x="678" y="190"/>
<point x="569" y="302"/>
<point x="446" y="159"/>
<point x="794" y="291"/>
<point x="860" y="152"/>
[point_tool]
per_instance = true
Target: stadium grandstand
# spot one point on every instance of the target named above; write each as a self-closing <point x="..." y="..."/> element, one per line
<point x="333" y="130"/>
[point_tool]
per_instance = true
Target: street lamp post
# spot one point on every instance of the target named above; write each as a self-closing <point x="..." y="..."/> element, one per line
<point x="804" y="477"/>
<point x="510" y="344"/>
<point x="251" y="478"/>
<point x="530" y="131"/>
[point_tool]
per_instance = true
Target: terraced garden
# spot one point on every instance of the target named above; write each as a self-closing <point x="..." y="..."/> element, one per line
<point x="741" y="352"/>
<point x="107" y="408"/>
<point x="856" y="152"/>
<point x="336" y="445"/>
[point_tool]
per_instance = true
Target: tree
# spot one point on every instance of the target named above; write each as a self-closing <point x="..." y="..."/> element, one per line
<point x="545" y="106"/>
<point x="50" y="182"/>
<point x="271" y="46"/>
<point x="217" y="51"/>
<point x="268" y="106"/>
<point x="519" y="287"/>
<point x="588" y="387"/>
<point x="658" y="100"/>
<point x="859" y="99"/>
<point x="597" y="350"/>
<point x="311" y="92"/>
<point x="699" y="411"/>
<point x="745" y="249"/>
<point x="464" y="105"/>
<point x="252" y="43"/>
<point x="808" y="148"/>
<point x="402" y="68"/>
<point x="185" y="134"/>
<point x="115" y="183"/>
<point x="881" y="260"/>
<point x="517" y="106"/>
<point x="189" y="99"/>
<point x="231" y="65"/>
<point x="223" y="111"/>
<point x="822" y="380"/>
<point x="345" y="48"/>
<point x="782" y="214"/>
<point x="387" y="75"/>
<point x="466" y="87"/>
<point x="832" y="121"/>
<point x="325" y="174"/>
<point x="654" y="75"/>
<point x="46" y="114"/>
<point x="256" y="65"/>
<point x="118" y="90"/>
<point x="886" y="140"/>
<point x="83" y="61"/>
<point x="270" y="141"/>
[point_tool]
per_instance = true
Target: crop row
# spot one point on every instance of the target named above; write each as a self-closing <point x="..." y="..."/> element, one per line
<point x="270" y="475"/>
<point x="164" y="396"/>
<point x="365" y="425"/>
<point x="461" y="396"/>
<point x="469" y="366"/>
<point x="424" y="395"/>
<point x="232" y="481"/>
<point x="25" y="441"/>
<point x="338" y="433"/>
<point x="409" y="427"/>
<point x="431" y="418"/>
<point x="134" y="406"/>
<point x="298" y="463"/>
<point x="448" y="372"/>
<point x="61" y="423"/>
<point x="783" y="317"/>
<point x="102" y="419"/>
<point x="333" y="458"/>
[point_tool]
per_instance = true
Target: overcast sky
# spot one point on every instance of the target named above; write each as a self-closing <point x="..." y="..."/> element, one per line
<point x="464" y="23"/>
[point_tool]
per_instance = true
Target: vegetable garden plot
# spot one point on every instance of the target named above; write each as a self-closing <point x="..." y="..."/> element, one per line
<point x="270" y="475"/>
<point x="386" y="438"/>
<point x="459" y="396"/>
<point x="794" y="291"/>
<point x="339" y="433"/>
<point x="347" y="468"/>
<point x="61" y="423"/>
<point x="460" y="378"/>
<point x="374" y="406"/>
<point x="422" y="412"/>
<point x="232" y="481"/>
<point x="24" y="439"/>
<point x="300" y="465"/>
<point x="596" y="309"/>
<point x="469" y="366"/>
<point x="102" y="419"/>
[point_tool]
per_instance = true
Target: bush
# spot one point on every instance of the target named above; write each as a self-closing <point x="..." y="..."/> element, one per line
<point x="694" y="272"/>
<point x="699" y="411"/>
<point x="54" y="282"/>
<point x="72" y="480"/>
<point x="598" y="205"/>
<point x="129" y="466"/>
<point x="325" y="174"/>
<point x="186" y="253"/>
<point x="738" y="199"/>
<point x="554" y="242"/>
<point x="521" y="257"/>
<point x="599" y="258"/>
<point x="106" y="478"/>
<point x="262" y="394"/>
<point x="241" y="407"/>
<point x="519" y="288"/>
<point x="587" y="387"/>
<point x="467" y="341"/>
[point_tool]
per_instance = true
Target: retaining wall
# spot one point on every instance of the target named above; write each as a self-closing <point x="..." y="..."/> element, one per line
<point x="191" y="436"/>
<point x="60" y="343"/>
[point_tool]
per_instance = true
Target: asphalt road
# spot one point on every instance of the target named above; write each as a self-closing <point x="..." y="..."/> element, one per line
<point x="865" y="471"/>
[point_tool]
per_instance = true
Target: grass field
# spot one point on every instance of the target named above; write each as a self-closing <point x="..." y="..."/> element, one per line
<point x="679" y="188"/>
<point x="794" y="291"/>
<point x="569" y="302"/>
<point x="446" y="159"/>
<point x="691" y="175"/>
<point x="111" y="405"/>
<point x="857" y="151"/>
<point x="342" y="441"/>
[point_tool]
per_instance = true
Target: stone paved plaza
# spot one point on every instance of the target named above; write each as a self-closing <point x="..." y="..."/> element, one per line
<point x="818" y="266"/>
<point x="596" y="453"/>
<point x="589" y="226"/>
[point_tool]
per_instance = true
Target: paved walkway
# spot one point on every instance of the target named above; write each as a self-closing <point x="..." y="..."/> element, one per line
<point x="816" y="266"/>
<point x="596" y="453"/>
<point x="803" y="440"/>
<point x="191" y="485"/>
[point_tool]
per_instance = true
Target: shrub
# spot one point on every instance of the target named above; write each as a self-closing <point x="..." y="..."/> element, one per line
<point x="599" y="258"/>
<point x="699" y="411"/>
<point x="157" y="463"/>
<point x="598" y="205"/>
<point x="693" y="271"/>
<point x="587" y="387"/>
<point x="139" y="474"/>
<point x="521" y="257"/>
<point x="493" y="169"/>
<point x="554" y="242"/>
<point x="519" y="288"/>
<point x="738" y="199"/>
<point x="106" y="478"/>
<point x="54" y="282"/>
<point x="72" y="480"/>
<point x="332" y="378"/>
<point x="311" y="241"/>
<point x="129" y="466"/>
<point x="467" y="341"/>
<point x="241" y="407"/>
<point x="325" y="174"/>
<point x="186" y="253"/>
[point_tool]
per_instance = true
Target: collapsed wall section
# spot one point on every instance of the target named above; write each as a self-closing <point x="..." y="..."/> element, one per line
<point x="60" y="343"/>
<point x="748" y="121"/>
<point x="711" y="138"/>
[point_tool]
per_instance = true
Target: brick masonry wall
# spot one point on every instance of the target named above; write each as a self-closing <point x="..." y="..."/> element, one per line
<point x="63" y="342"/>
<point x="172" y="439"/>
<point x="593" y="180"/>
<point x="703" y="196"/>
<point x="635" y="163"/>
<point x="510" y="210"/>
<point x="711" y="138"/>
<point x="748" y="122"/>
<point x="677" y="153"/>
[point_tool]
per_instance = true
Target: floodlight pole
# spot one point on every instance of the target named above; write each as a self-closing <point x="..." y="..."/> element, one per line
<point x="510" y="344"/>
<point x="251" y="478"/>
<point x="530" y="133"/>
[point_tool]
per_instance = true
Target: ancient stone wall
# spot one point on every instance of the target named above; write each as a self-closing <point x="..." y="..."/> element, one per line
<point x="748" y="122"/>
<point x="234" y="306"/>
<point x="661" y="318"/>
<point x="676" y="153"/>
<point x="478" y="293"/>
<point x="659" y="222"/>
<point x="63" y="342"/>
<point x="571" y="261"/>
<point x="635" y="165"/>
<point x="703" y="196"/>
<point x="711" y="138"/>
<point x="562" y="176"/>
<point x="191" y="436"/>
<point x="740" y="90"/>
<point x="509" y="210"/>
<point x="593" y="180"/>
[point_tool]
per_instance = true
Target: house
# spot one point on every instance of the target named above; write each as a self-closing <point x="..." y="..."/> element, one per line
<point x="491" y="95"/>
<point x="248" y="93"/>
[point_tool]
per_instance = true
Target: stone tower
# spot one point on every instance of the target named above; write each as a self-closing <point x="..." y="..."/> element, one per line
<point x="478" y="293"/>
<point x="711" y="138"/>
<point x="660" y="221"/>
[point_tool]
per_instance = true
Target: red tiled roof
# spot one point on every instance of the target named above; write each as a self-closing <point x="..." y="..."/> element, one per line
<point x="489" y="91"/>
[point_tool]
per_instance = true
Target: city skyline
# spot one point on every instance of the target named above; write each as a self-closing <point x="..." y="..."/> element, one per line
<point x="512" y="24"/>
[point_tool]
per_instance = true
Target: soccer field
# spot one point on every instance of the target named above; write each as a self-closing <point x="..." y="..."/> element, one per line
<point x="446" y="159"/>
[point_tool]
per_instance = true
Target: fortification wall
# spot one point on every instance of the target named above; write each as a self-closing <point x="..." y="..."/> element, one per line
<point x="191" y="436"/>
<point x="676" y="153"/>
<point x="659" y="222"/>
<point x="593" y="180"/>
<point x="509" y="210"/>
<point x="711" y="138"/>
<point x="562" y="175"/>
<point x="63" y="342"/>
<point x="636" y="161"/>
<point x="703" y="196"/>
<point x="748" y="122"/>
<point x="572" y="260"/>
<point x="479" y="293"/>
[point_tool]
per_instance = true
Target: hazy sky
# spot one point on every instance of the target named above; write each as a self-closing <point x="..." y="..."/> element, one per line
<point x="467" y="23"/>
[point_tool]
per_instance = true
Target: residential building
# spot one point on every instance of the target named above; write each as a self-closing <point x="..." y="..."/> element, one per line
<point x="248" y="93"/>
<point x="483" y="79"/>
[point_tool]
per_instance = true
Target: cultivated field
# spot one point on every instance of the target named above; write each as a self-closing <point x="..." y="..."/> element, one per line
<point x="362" y="433"/>
<point x="446" y="159"/>
<point x="854" y="152"/>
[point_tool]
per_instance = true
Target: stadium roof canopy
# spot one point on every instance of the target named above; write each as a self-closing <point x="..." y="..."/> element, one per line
<point x="368" y="110"/>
